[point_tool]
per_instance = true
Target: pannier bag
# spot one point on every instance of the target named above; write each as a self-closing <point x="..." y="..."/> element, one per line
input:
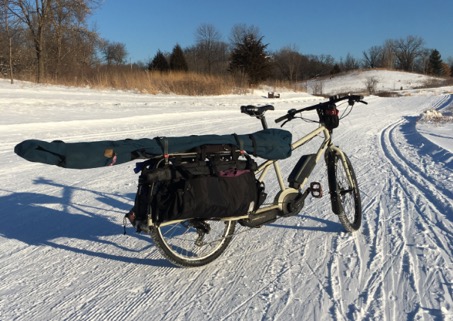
<point x="269" y="143"/>
<point x="205" y="197"/>
<point x="211" y="188"/>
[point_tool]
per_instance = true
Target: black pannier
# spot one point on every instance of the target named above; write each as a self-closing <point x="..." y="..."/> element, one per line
<point x="207" y="196"/>
<point x="214" y="183"/>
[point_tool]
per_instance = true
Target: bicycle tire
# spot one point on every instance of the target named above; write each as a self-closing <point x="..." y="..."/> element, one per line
<point x="346" y="201"/>
<point x="178" y="242"/>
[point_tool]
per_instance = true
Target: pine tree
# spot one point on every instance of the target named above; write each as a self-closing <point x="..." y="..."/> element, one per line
<point x="251" y="59"/>
<point x="159" y="63"/>
<point x="177" y="60"/>
<point x="335" y="70"/>
<point x="435" y="63"/>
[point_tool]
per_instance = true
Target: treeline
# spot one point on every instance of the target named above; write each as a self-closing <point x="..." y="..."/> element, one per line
<point x="50" y="40"/>
<point x="47" y="38"/>
<point x="246" y="55"/>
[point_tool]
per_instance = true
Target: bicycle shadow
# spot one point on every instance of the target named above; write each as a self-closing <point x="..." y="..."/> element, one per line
<point x="39" y="219"/>
<point x="327" y="226"/>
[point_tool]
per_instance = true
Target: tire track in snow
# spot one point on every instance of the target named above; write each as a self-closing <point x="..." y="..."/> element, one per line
<point x="407" y="172"/>
<point x="7" y="148"/>
<point x="115" y="132"/>
<point x="417" y="194"/>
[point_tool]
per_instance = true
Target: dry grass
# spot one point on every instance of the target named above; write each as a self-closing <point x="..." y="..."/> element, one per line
<point x="435" y="117"/>
<point x="180" y="83"/>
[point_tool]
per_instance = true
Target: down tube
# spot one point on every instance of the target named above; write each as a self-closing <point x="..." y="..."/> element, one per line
<point x="265" y="167"/>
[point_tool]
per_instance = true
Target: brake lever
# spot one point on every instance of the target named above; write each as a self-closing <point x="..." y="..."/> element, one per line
<point x="284" y="123"/>
<point x="291" y="115"/>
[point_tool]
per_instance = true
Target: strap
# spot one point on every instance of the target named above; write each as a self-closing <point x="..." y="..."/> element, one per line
<point x="252" y="138"/>
<point x="239" y="142"/>
<point x="163" y="141"/>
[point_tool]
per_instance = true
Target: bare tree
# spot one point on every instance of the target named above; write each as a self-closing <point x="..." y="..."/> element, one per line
<point x="350" y="63"/>
<point x="68" y="17"/>
<point x="388" y="55"/>
<point x="318" y="65"/>
<point x="289" y="61"/>
<point x="239" y="31"/>
<point x="207" y="34"/>
<point x="407" y="51"/>
<point x="373" y="57"/>
<point x="114" y="52"/>
<point x="9" y="37"/>
<point x="209" y="49"/>
<point x="56" y="30"/>
<point x="36" y="16"/>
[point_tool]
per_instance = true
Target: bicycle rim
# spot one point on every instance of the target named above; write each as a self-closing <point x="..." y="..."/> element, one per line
<point x="185" y="245"/>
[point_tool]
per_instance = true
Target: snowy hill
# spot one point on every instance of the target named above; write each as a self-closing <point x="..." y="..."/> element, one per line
<point x="356" y="81"/>
<point x="63" y="255"/>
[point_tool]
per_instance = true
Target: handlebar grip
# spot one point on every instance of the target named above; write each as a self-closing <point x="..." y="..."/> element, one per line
<point x="289" y="115"/>
<point x="280" y="119"/>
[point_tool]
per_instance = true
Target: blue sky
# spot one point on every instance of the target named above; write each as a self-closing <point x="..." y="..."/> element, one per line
<point x="335" y="27"/>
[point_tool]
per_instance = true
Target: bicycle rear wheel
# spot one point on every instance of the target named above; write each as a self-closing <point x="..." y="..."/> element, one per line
<point x="193" y="242"/>
<point x="344" y="191"/>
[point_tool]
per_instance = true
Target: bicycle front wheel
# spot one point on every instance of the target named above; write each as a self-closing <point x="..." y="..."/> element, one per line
<point x="193" y="242"/>
<point x="344" y="191"/>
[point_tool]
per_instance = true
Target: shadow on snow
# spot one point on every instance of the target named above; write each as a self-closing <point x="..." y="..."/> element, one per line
<point x="30" y="218"/>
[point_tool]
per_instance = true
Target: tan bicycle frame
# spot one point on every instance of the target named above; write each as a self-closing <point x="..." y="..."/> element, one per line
<point x="264" y="168"/>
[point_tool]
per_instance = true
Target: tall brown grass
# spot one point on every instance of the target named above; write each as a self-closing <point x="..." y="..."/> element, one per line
<point x="143" y="81"/>
<point x="180" y="83"/>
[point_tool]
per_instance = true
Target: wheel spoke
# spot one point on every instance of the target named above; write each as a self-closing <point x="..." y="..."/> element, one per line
<point x="193" y="243"/>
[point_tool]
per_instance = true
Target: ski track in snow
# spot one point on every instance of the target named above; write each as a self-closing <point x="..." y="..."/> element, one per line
<point x="63" y="255"/>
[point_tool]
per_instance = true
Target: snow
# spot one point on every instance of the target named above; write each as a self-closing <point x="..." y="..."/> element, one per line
<point x="439" y="134"/>
<point x="437" y="125"/>
<point x="400" y="81"/>
<point x="63" y="255"/>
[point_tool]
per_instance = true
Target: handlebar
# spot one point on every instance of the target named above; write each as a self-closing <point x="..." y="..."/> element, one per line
<point x="325" y="105"/>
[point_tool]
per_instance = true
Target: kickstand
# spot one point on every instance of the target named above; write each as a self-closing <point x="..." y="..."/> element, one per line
<point x="203" y="228"/>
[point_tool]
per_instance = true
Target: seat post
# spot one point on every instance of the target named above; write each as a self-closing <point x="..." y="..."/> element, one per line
<point x="263" y="121"/>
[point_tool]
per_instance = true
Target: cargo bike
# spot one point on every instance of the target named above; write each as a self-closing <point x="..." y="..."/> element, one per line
<point x="191" y="202"/>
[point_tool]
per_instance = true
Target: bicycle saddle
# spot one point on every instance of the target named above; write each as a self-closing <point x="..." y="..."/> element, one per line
<point x="256" y="111"/>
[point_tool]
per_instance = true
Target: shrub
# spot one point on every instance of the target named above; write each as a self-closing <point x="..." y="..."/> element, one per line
<point x="434" y="116"/>
<point x="370" y="84"/>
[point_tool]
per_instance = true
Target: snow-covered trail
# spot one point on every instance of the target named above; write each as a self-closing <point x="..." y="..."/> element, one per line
<point x="63" y="255"/>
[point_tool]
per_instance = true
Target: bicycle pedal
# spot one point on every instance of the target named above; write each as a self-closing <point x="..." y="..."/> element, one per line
<point x="316" y="189"/>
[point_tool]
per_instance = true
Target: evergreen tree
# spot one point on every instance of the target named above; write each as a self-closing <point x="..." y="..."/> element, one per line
<point x="159" y="63"/>
<point x="250" y="58"/>
<point x="177" y="60"/>
<point x="435" y="63"/>
<point x="335" y="70"/>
